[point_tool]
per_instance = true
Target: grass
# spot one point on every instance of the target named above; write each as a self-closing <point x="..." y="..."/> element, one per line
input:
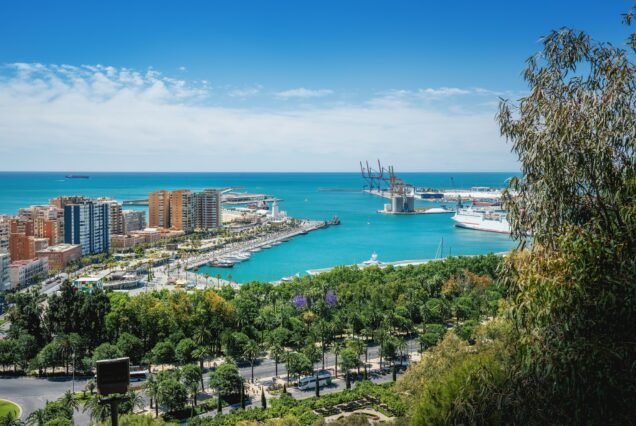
<point x="7" y="407"/>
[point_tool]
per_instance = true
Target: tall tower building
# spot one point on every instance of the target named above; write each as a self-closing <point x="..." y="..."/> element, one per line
<point x="159" y="209"/>
<point x="116" y="216"/>
<point x="5" y="279"/>
<point x="182" y="210"/>
<point x="87" y="224"/>
<point x="208" y="209"/>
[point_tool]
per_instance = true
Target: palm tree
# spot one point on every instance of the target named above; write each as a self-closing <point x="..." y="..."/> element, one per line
<point x="36" y="418"/>
<point x="277" y="350"/>
<point x="152" y="388"/>
<point x="136" y="400"/>
<point x="90" y="386"/>
<point x="97" y="411"/>
<point x="252" y="350"/>
<point x="337" y="348"/>
<point x="11" y="420"/>
<point x="69" y="401"/>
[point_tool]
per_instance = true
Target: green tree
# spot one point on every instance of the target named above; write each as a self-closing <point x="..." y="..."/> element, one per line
<point x="226" y="379"/>
<point x="131" y="346"/>
<point x="349" y="361"/>
<point x="191" y="376"/>
<point x="572" y="294"/>
<point x="185" y="351"/>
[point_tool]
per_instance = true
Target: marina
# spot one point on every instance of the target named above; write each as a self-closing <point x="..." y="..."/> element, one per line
<point x="362" y="231"/>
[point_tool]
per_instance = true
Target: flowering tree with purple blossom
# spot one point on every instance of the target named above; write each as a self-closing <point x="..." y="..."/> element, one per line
<point x="299" y="301"/>
<point x="330" y="298"/>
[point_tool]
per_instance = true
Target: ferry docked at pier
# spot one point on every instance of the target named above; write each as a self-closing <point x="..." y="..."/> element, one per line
<point x="482" y="220"/>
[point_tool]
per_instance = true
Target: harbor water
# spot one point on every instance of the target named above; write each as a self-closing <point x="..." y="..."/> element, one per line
<point x="318" y="196"/>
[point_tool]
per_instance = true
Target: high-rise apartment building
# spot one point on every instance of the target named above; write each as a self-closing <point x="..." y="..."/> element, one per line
<point x="5" y="277"/>
<point x="115" y="218"/>
<point x="134" y="220"/>
<point x="208" y="209"/>
<point x="87" y="224"/>
<point x="5" y="228"/>
<point x="46" y="222"/>
<point x="61" y="202"/>
<point x="159" y="209"/>
<point x="182" y="210"/>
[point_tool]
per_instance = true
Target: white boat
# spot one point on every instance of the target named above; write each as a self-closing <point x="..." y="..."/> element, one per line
<point x="372" y="261"/>
<point x="437" y="210"/>
<point x="482" y="220"/>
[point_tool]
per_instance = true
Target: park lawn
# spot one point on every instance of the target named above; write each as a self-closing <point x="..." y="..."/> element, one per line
<point x="7" y="407"/>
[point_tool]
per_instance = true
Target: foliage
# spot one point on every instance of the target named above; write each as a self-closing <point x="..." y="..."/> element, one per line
<point x="572" y="295"/>
<point x="226" y="379"/>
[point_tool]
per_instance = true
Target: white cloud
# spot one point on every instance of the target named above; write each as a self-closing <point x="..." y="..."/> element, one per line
<point x="442" y="92"/>
<point x="182" y="68"/>
<point x="301" y="92"/>
<point x="104" y="118"/>
<point x="245" y="92"/>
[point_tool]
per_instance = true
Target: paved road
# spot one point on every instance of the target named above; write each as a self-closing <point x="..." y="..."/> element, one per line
<point x="32" y="393"/>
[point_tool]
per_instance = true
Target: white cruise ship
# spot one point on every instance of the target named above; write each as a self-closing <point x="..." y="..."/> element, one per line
<point x="482" y="220"/>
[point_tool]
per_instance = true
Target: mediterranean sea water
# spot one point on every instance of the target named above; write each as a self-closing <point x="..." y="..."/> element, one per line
<point x="362" y="232"/>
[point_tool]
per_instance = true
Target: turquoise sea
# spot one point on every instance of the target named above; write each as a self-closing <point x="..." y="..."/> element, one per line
<point x="362" y="232"/>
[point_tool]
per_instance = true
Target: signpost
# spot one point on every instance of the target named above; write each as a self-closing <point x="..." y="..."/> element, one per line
<point x="113" y="378"/>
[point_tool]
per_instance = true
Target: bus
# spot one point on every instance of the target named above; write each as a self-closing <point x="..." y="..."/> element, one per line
<point x="309" y="382"/>
<point x="138" y="376"/>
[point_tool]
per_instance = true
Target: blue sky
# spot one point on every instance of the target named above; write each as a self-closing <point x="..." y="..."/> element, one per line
<point x="271" y="85"/>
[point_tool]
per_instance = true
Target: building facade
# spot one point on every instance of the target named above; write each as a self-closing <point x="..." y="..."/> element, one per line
<point x="116" y="216"/>
<point x="25" y="247"/>
<point x="182" y="210"/>
<point x="208" y="209"/>
<point x="134" y="220"/>
<point x="23" y="273"/>
<point x="5" y="229"/>
<point x="159" y="209"/>
<point x="61" y="202"/>
<point x="87" y="224"/>
<point x="59" y="256"/>
<point x="5" y="277"/>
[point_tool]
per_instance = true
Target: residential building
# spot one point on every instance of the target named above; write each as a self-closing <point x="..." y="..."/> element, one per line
<point x="48" y="222"/>
<point x="23" y="273"/>
<point x="122" y="242"/>
<point x="21" y="225"/>
<point x="134" y="220"/>
<point x="5" y="228"/>
<point x="115" y="218"/>
<point x="61" y="202"/>
<point x="5" y="277"/>
<point x="159" y="209"/>
<point x="182" y="210"/>
<point x="59" y="256"/>
<point x="208" y="209"/>
<point x="25" y="247"/>
<point x="87" y="224"/>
